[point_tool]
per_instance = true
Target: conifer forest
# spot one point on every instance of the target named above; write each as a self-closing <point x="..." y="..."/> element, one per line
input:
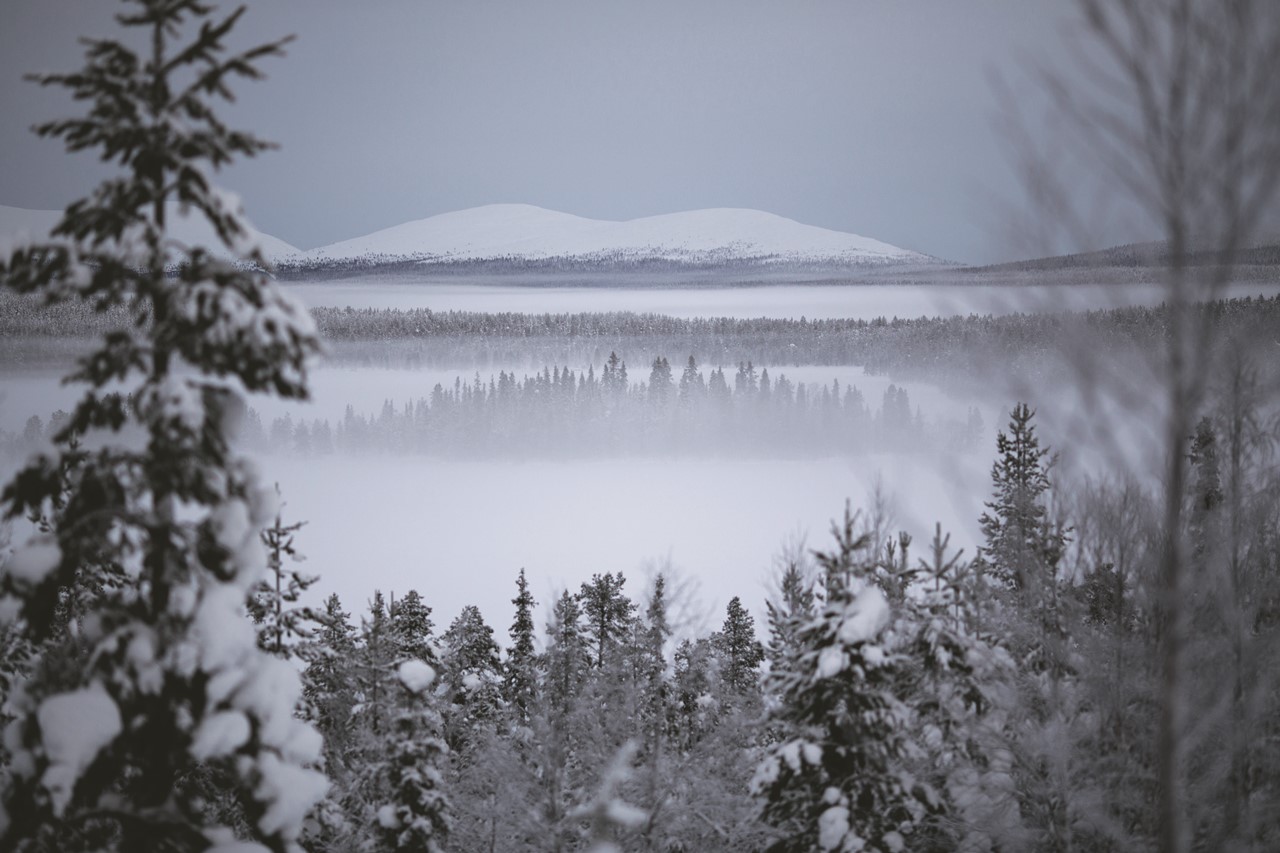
<point x="1044" y="614"/>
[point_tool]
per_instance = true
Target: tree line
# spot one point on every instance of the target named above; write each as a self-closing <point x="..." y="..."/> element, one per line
<point x="1030" y="346"/>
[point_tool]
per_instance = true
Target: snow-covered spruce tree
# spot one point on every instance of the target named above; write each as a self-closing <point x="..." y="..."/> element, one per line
<point x="472" y="676"/>
<point x="520" y="680"/>
<point x="607" y="613"/>
<point x="330" y="683"/>
<point x="416" y="818"/>
<point x="835" y="779"/>
<point x="741" y="651"/>
<point x="174" y="678"/>
<point x="794" y="604"/>
<point x="567" y="657"/>
<point x="411" y="628"/>
<point x="375" y="656"/>
<point x="959" y="688"/>
<point x="273" y="603"/>
<point x="1022" y="545"/>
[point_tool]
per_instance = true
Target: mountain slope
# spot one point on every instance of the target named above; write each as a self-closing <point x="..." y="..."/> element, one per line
<point x="525" y="232"/>
<point x="190" y="229"/>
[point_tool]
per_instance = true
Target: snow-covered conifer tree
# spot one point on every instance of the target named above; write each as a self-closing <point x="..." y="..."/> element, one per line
<point x="273" y="603"/>
<point x="161" y="504"/>
<point x="1020" y="537"/>
<point x="521" y="678"/>
<point x="376" y="654"/>
<point x="411" y="628"/>
<point x="472" y="675"/>
<point x="741" y="651"/>
<point x="567" y="656"/>
<point x="835" y="780"/>
<point x="416" y="819"/>
<point x="329" y="682"/>
<point x="793" y="606"/>
<point x="607" y="612"/>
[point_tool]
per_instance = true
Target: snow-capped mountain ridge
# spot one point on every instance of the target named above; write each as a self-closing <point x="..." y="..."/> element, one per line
<point x="514" y="232"/>
<point x="524" y="234"/>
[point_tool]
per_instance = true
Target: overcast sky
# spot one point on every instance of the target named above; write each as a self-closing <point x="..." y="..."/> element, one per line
<point x="870" y="116"/>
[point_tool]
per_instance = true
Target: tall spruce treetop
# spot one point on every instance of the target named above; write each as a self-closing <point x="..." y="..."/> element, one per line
<point x="795" y="605"/>
<point x="520" y="681"/>
<point x="273" y="603"/>
<point x="607" y="611"/>
<point x="834" y="780"/>
<point x="411" y="628"/>
<point x="1019" y="535"/>
<point x="741" y="652"/>
<point x="568" y="655"/>
<point x="173" y="676"/>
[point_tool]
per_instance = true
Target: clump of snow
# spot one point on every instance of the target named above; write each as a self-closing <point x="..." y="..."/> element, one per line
<point x="832" y="661"/>
<point x="223" y="636"/>
<point x="141" y="655"/>
<point x="74" y="727"/>
<point x="790" y="753"/>
<point x="625" y="815"/>
<point x="864" y="617"/>
<point x="291" y="792"/>
<point x="10" y="610"/>
<point x="833" y="826"/>
<point x="415" y="675"/>
<point x="183" y="599"/>
<point x="32" y="563"/>
<point x="178" y="401"/>
<point x="220" y="734"/>
<point x="766" y="774"/>
<point x="235" y="527"/>
<point x="387" y="817"/>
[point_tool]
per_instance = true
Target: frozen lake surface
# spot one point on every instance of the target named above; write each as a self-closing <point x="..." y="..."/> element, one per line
<point x="459" y="532"/>
<point x="864" y="301"/>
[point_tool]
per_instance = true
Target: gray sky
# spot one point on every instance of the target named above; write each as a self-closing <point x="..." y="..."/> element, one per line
<point x="869" y="116"/>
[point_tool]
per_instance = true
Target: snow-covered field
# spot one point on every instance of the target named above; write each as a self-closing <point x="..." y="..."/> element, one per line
<point x="459" y="532"/>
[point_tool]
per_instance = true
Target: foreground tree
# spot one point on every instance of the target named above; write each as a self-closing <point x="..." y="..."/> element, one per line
<point x="834" y="780"/>
<point x="167" y="524"/>
<point x="1178" y="109"/>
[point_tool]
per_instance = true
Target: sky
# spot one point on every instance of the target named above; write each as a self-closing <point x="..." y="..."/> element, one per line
<point x="869" y="116"/>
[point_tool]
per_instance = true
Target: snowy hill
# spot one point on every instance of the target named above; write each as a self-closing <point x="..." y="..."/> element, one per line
<point x="521" y="232"/>
<point x="190" y="229"/>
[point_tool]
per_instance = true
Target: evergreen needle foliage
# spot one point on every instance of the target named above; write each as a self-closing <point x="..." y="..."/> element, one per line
<point x="148" y="512"/>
